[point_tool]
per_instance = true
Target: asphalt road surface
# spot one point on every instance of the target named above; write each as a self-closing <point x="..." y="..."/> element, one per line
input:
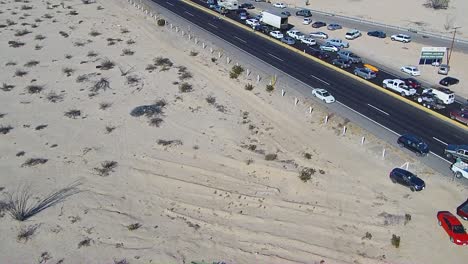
<point x="395" y="115"/>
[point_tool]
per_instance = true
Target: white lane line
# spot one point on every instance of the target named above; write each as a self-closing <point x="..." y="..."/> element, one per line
<point x="169" y="3"/>
<point x="442" y="158"/>
<point x="275" y="57"/>
<point x="375" y="122"/>
<point x="190" y="14"/>
<point x="240" y="39"/>
<point x="440" y="141"/>
<point x="380" y="110"/>
<point x="319" y="79"/>
<point x="212" y="25"/>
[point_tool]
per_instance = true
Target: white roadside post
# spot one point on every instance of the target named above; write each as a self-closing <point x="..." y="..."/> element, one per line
<point x="258" y="78"/>
<point x="310" y="109"/>
<point x="344" y="130"/>
<point x="296" y="101"/>
<point x="363" y="139"/>
<point x="383" y="153"/>
<point x="326" y="119"/>
<point x="282" y="92"/>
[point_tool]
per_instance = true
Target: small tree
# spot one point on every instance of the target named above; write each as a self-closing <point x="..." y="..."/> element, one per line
<point x="395" y="241"/>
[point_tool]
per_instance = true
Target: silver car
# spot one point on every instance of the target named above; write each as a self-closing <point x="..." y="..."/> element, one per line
<point x="364" y="73"/>
<point x="288" y="40"/>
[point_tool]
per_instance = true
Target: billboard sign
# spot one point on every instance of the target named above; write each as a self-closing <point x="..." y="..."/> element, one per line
<point x="431" y="55"/>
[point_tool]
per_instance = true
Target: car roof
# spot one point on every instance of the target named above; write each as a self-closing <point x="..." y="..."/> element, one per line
<point x="320" y="90"/>
<point x="412" y="137"/>
<point x="404" y="172"/>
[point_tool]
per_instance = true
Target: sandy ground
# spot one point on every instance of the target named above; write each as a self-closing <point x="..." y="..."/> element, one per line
<point x="210" y="194"/>
<point x="393" y="54"/>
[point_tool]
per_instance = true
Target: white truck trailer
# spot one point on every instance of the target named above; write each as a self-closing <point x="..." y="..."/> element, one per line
<point x="275" y="19"/>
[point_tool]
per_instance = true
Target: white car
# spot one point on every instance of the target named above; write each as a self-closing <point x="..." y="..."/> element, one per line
<point x="329" y="48"/>
<point x="309" y="41"/>
<point x="398" y="86"/>
<point x="307" y="21"/>
<point x="401" y="37"/>
<point x="252" y="22"/>
<point x="320" y="35"/>
<point x="323" y="95"/>
<point x="277" y="34"/>
<point x="411" y="70"/>
<point x="296" y="34"/>
<point x="279" y="5"/>
<point x="353" y="34"/>
<point x="338" y="43"/>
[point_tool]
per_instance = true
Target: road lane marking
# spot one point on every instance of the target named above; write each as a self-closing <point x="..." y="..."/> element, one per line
<point x="380" y="110"/>
<point x="442" y="158"/>
<point x="188" y="13"/>
<point x="275" y="57"/>
<point x="319" y="79"/>
<point x="240" y="39"/>
<point x="169" y="3"/>
<point x="212" y="25"/>
<point x="440" y="141"/>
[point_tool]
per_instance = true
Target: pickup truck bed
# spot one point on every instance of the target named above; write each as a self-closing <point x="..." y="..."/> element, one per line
<point x="462" y="210"/>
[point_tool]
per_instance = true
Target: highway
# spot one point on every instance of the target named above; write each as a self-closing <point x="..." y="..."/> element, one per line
<point x="395" y="115"/>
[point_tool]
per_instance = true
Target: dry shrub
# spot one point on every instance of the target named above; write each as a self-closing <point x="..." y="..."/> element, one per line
<point x="109" y="129"/>
<point x="270" y="88"/>
<point x="106" y="64"/>
<point x="104" y="105"/>
<point x="54" y="98"/>
<point x="249" y="87"/>
<point x="5" y="129"/>
<point x="40" y="127"/>
<point x="94" y="33"/>
<point x="165" y="143"/>
<point x="15" y="44"/>
<point x="132" y="80"/>
<point x="85" y="242"/>
<point x="68" y="71"/>
<point x="74" y="113"/>
<point x="22" y="32"/>
<point x="437" y="4"/>
<point x="20" y="73"/>
<point x="31" y="63"/>
<point x="134" y="226"/>
<point x="164" y="62"/>
<point x="367" y="236"/>
<point x="151" y="67"/>
<point x="193" y="53"/>
<point x="306" y="174"/>
<point x="34" y="89"/>
<point x="26" y="233"/>
<point x="127" y="52"/>
<point x="395" y="241"/>
<point x="307" y="155"/>
<point x="92" y="53"/>
<point x="185" y="87"/>
<point x="121" y="261"/>
<point x="124" y="31"/>
<point x="7" y="87"/>
<point x="211" y="100"/>
<point x="101" y="84"/>
<point x="161" y="22"/>
<point x="34" y="161"/>
<point x="130" y="42"/>
<point x="156" y="121"/>
<point x="106" y="168"/>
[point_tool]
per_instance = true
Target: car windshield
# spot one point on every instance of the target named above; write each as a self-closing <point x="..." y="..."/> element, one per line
<point x="458" y="229"/>
<point x="325" y="94"/>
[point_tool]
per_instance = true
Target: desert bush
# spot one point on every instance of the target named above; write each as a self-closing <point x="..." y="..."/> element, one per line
<point x="121" y="261"/>
<point x="79" y="43"/>
<point x="82" y="78"/>
<point x="185" y="87"/>
<point x="92" y="53"/>
<point x="10" y="63"/>
<point x="40" y="127"/>
<point x="124" y="31"/>
<point x="151" y="67"/>
<point x="94" y="33"/>
<point x="106" y="168"/>
<point x="106" y="64"/>
<point x="73" y="113"/>
<point x="147" y="110"/>
<point x="38" y="20"/>
<point x="155" y="121"/>
<point x="437" y="4"/>
<point x="164" y="62"/>
<point x="73" y="13"/>
<point x="164" y="142"/>
<point x="2" y="115"/>
<point x="395" y="241"/>
<point x="31" y="63"/>
<point x="34" y="161"/>
<point x="211" y="100"/>
<point x="130" y="42"/>
<point x="54" y="98"/>
<point x="270" y="88"/>
<point x="307" y="155"/>
<point x="132" y="80"/>
<point x="10" y="22"/>
<point x="367" y="236"/>
<point x="25" y="233"/>
<point x="109" y="129"/>
<point x="271" y="156"/>
<point x="249" y="87"/>
<point x="48" y="16"/>
<point x="64" y="34"/>
<point x="161" y="22"/>
<point x="127" y="52"/>
<point x="39" y="37"/>
<point x="26" y="7"/>
<point x="193" y="53"/>
<point x="15" y="44"/>
<point x="85" y="242"/>
<point x="134" y="226"/>
<point x="5" y="129"/>
<point x="20" y="73"/>
<point x="185" y="75"/>
<point x="214" y="59"/>
<point x="407" y="218"/>
<point x="24" y="203"/>
<point x="34" y="89"/>
<point x="38" y="47"/>
<point x="236" y="71"/>
<point x="7" y="87"/>
<point x="22" y="32"/>
<point x="68" y="56"/>
<point x="68" y="71"/>
<point x="104" y="105"/>
<point x="306" y="174"/>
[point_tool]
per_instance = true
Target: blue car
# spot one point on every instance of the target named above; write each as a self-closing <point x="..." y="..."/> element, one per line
<point x="414" y="143"/>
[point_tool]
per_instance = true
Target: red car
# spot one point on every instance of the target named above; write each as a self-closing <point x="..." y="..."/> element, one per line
<point x="412" y="83"/>
<point x="462" y="210"/>
<point x="453" y="227"/>
<point x="461" y="116"/>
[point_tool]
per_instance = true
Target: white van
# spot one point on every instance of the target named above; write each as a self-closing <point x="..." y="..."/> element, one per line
<point x="353" y="34"/>
<point x="444" y="94"/>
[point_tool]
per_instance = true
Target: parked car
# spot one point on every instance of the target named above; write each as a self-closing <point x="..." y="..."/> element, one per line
<point x="319" y="54"/>
<point x="323" y="95"/>
<point x="320" y="35"/>
<point x="348" y="55"/>
<point x="276" y="34"/>
<point x="279" y="5"/>
<point x="401" y="37"/>
<point x="453" y="151"/>
<point x="243" y="16"/>
<point x="341" y="63"/>
<point x="443" y="69"/>
<point x="252" y="22"/>
<point x="460" y="116"/>
<point x="328" y="47"/>
<point x="220" y="9"/>
<point x="296" y="34"/>
<point x="462" y="210"/>
<point x="353" y="34"/>
<point x="286" y="13"/>
<point x="413" y="143"/>
<point x="447" y="81"/>
<point x="377" y="34"/>
<point x="338" y="43"/>
<point x="411" y="70"/>
<point x="334" y="27"/>
<point x="264" y="28"/>
<point x="288" y="40"/>
<point x="364" y="73"/>
<point x="453" y="227"/>
<point x="306" y="21"/>
<point x="408" y="179"/>
<point x="247" y="5"/>
<point x="413" y="83"/>
<point x="309" y="41"/>
<point x="304" y="13"/>
<point x="398" y="86"/>
<point x="318" y="24"/>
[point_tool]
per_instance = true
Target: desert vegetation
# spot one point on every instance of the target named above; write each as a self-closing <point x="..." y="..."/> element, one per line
<point x="31" y="63"/>
<point x="437" y="4"/>
<point x="106" y="168"/>
<point x="236" y="71"/>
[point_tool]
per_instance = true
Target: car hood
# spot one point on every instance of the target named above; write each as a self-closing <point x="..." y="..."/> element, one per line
<point x="417" y="181"/>
<point x="462" y="237"/>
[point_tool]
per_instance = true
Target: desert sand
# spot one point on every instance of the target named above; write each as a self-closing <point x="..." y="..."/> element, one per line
<point x="211" y="174"/>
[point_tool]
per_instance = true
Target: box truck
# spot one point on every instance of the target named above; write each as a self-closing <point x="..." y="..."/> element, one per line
<point x="275" y="19"/>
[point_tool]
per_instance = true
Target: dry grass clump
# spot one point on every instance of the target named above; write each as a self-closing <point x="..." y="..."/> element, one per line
<point x="104" y="105"/>
<point x="10" y="22"/>
<point x="106" y="65"/>
<point x="151" y="67"/>
<point x="134" y="226"/>
<point x="34" y="89"/>
<point x="130" y="42"/>
<point x="271" y="156"/>
<point x="20" y="73"/>
<point x="79" y="43"/>
<point x="183" y="73"/>
<point x="106" y="168"/>
<point x="10" y="63"/>
<point x="54" y="98"/>
<point x="124" y="31"/>
<point x="39" y="37"/>
<point x="156" y="121"/>
<point x="82" y="78"/>
<point x="193" y="53"/>
<point x="15" y="43"/>
<point x="185" y="87"/>
<point x="64" y="34"/>
<point x="22" y="32"/>
<point x="34" y="161"/>
<point x="127" y="52"/>
<point x="5" y="129"/>
<point x="307" y="155"/>
<point x="74" y="113"/>
<point x="109" y="129"/>
<point x="236" y="71"/>
<point x="68" y="56"/>
<point x="40" y="127"/>
<point x="101" y="84"/>
<point x="26" y="7"/>
<point x="165" y="143"/>
<point x="26" y="233"/>
<point x="306" y="174"/>
<point x="121" y="261"/>
<point x="31" y="63"/>
<point x="164" y="62"/>
<point x="132" y="80"/>
<point x="249" y="87"/>
<point x="395" y="241"/>
<point x="85" y="242"/>
<point x="7" y="87"/>
<point x="38" y="47"/>
<point x="269" y="88"/>
<point x="367" y="236"/>
<point x="94" y="33"/>
<point x="68" y="71"/>
<point x="92" y="54"/>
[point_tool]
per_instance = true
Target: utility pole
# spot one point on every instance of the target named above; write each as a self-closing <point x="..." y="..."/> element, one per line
<point x="451" y="46"/>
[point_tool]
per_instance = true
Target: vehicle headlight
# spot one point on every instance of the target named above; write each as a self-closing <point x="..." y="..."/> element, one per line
<point x="458" y="241"/>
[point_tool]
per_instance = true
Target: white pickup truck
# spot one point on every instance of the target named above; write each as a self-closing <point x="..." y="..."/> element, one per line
<point x="460" y="169"/>
<point x="398" y="86"/>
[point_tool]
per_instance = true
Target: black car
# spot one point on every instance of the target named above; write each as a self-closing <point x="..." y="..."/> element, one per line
<point x="377" y="34"/>
<point x="447" y="81"/>
<point x="318" y="24"/>
<point x="319" y="54"/>
<point x="264" y="28"/>
<point x="304" y="13"/>
<point x="414" y="143"/>
<point x="247" y="5"/>
<point x="286" y="13"/>
<point x="407" y="179"/>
